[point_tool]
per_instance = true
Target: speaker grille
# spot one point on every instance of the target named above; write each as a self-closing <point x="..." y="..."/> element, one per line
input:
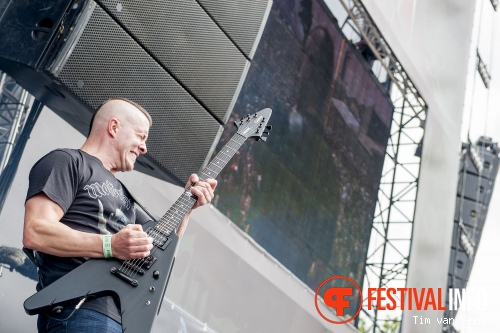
<point x="100" y="67"/>
<point x="243" y="20"/>
<point x="184" y="39"/>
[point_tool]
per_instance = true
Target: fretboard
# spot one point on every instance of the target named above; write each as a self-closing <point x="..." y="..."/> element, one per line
<point x="174" y="216"/>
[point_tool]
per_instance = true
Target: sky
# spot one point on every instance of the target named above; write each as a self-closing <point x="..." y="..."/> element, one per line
<point x="482" y="117"/>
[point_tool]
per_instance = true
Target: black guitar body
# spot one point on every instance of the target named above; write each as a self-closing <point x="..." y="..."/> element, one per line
<point x="140" y="295"/>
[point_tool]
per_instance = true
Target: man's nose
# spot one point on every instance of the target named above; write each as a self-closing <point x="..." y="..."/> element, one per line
<point x="142" y="148"/>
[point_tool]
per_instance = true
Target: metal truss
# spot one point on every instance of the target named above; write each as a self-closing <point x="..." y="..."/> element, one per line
<point x="14" y="108"/>
<point x="483" y="70"/>
<point x="390" y="241"/>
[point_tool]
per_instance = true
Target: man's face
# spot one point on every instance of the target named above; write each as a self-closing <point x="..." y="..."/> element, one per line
<point x="132" y="135"/>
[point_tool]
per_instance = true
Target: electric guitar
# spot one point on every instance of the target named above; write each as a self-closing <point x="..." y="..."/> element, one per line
<point x="140" y="284"/>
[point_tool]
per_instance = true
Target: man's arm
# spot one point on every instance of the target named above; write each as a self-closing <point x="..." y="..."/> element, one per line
<point x="43" y="232"/>
<point x="204" y="190"/>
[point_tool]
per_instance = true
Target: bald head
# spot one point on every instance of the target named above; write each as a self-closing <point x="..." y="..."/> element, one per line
<point x="120" y="108"/>
<point x="118" y="134"/>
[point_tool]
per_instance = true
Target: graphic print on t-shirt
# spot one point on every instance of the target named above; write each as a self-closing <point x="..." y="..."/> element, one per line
<point x="116" y="217"/>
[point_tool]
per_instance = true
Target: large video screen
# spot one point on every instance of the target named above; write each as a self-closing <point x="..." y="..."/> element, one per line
<point x="308" y="194"/>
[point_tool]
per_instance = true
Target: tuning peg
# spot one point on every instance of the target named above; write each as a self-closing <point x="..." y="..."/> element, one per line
<point x="269" y="127"/>
<point x="255" y="115"/>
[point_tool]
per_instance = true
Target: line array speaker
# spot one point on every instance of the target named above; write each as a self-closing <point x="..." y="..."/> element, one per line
<point x="474" y="188"/>
<point x="460" y="266"/>
<point x="481" y="159"/>
<point x="473" y="236"/>
<point x="190" y="45"/>
<point x="168" y="56"/>
<point x="471" y="212"/>
<point x="241" y="20"/>
<point x="478" y="171"/>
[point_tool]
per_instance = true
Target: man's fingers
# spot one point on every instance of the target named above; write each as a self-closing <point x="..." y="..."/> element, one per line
<point x="212" y="182"/>
<point x="132" y="242"/>
<point x="193" y="179"/>
<point x="134" y="231"/>
<point x="136" y="227"/>
<point x="141" y="250"/>
<point x="202" y="189"/>
<point x="203" y="193"/>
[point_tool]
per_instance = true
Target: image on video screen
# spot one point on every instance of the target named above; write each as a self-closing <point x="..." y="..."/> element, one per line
<point x="308" y="194"/>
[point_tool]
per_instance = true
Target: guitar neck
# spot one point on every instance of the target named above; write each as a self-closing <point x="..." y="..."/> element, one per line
<point x="174" y="216"/>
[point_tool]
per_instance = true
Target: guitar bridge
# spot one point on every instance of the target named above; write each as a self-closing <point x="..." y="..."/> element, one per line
<point x="124" y="277"/>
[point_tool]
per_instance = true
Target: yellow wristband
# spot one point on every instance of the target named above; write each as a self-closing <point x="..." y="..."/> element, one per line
<point x="106" y="246"/>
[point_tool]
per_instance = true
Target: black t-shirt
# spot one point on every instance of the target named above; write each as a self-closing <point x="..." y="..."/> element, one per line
<point x="93" y="201"/>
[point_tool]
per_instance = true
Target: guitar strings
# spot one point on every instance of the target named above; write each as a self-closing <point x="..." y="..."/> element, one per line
<point x="164" y="228"/>
<point x="172" y="219"/>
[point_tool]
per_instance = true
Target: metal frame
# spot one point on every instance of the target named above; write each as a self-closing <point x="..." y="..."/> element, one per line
<point x="14" y="108"/>
<point x="390" y="241"/>
<point x="494" y="3"/>
<point x="483" y="70"/>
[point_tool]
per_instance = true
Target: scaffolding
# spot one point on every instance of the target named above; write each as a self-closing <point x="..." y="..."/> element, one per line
<point x="390" y="241"/>
<point x="14" y="108"/>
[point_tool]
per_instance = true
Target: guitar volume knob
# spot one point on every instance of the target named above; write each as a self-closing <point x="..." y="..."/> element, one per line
<point x="156" y="274"/>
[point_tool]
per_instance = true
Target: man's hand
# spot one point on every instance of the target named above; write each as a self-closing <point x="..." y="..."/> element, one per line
<point x="203" y="189"/>
<point x="131" y="242"/>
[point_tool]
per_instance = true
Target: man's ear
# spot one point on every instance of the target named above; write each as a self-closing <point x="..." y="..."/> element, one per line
<point x="113" y="125"/>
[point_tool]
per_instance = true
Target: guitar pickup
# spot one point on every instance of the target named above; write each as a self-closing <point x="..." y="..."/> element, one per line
<point x="135" y="267"/>
<point x="146" y="262"/>
<point x="162" y="242"/>
<point x="160" y="239"/>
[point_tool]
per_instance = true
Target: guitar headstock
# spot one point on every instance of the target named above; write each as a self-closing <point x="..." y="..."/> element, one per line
<point x="255" y="125"/>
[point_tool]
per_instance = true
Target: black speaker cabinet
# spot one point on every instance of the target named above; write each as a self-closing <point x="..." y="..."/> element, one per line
<point x="183" y="38"/>
<point x="486" y="152"/>
<point x="474" y="188"/>
<point x="168" y="56"/>
<point x="454" y="282"/>
<point x="460" y="266"/>
<point x="473" y="213"/>
<point x="241" y="20"/>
